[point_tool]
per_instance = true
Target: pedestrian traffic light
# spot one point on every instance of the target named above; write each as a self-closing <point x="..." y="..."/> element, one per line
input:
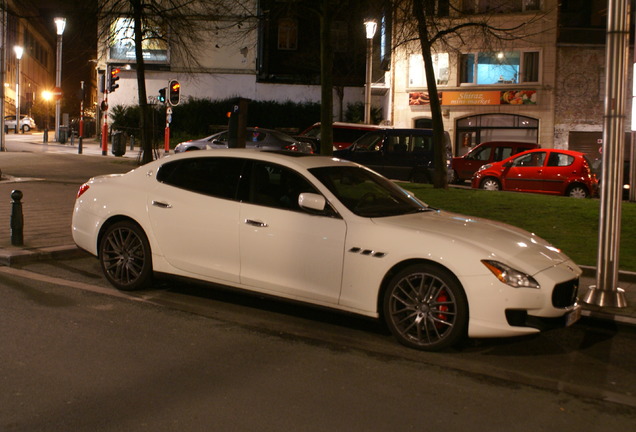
<point x="113" y="77"/>
<point x="162" y="95"/>
<point x="175" y="92"/>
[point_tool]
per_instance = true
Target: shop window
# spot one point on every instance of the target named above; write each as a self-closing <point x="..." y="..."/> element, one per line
<point x="287" y="34"/>
<point x="503" y="67"/>
<point x="417" y="75"/>
<point x="500" y="6"/>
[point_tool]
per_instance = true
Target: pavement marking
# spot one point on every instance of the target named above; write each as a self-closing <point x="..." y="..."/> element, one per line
<point x="59" y="281"/>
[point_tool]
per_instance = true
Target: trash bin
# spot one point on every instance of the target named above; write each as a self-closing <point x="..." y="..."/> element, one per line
<point x="118" y="143"/>
<point x="63" y="134"/>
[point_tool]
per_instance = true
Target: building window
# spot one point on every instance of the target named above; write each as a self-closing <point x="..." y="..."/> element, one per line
<point x="287" y="34"/>
<point x="503" y="67"/>
<point x="417" y="75"/>
<point x="499" y="6"/>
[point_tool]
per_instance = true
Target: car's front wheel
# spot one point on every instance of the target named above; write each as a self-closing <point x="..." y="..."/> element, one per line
<point x="425" y="307"/>
<point x="125" y="257"/>
<point x="26" y="128"/>
<point x="490" y="183"/>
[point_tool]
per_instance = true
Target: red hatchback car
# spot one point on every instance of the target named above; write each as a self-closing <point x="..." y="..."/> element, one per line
<point x="548" y="171"/>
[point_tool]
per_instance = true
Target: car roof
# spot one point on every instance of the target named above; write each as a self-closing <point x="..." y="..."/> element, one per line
<point x="298" y="160"/>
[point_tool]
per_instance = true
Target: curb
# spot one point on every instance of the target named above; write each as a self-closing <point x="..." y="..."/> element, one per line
<point x="9" y="257"/>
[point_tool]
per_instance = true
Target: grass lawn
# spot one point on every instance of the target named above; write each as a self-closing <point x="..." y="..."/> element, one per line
<point x="569" y="224"/>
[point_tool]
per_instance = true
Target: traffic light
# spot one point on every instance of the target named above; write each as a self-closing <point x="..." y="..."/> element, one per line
<point x="175" y="92"/>
<point x="113" y="77"/>
<point x="162" y="95"/>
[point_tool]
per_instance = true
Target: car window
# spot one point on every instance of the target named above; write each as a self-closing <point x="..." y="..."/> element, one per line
<point x="221" y="137"/>
<point x="530" y="160"/>
<point x="560" y="160"/>
<point x="502" y="153"/>
<point x="272" y="185"/>
<point x="216" y="177"/>
<point x="482" y="154"/>
<point x="422" y="143"/>
<point x="369" y="142"/>
<point x="367" y="194"/>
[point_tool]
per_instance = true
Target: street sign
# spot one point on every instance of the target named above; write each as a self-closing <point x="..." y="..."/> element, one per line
<point x="57" y="93"/>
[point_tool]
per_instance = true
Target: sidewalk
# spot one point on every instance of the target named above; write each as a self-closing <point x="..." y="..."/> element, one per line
<point x="47" y="211"/>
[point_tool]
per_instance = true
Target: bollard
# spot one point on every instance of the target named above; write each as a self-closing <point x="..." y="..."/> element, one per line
<point x="132" y="142"/>
<point x="17" y="220"/>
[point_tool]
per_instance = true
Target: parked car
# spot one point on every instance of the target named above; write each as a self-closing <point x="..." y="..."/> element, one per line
<point x="26" y="123"/>
<point x="549" y="171"/>
<point x="344" y="134"/>
<point x="463" y="167"/>
<point x="400" y="154"/>
<point x="256" y="138"/>
<point x="326" y="232"/>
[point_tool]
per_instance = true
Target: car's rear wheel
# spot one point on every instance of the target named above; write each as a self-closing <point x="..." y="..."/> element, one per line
<point x="577" y="191"/>
<point x="490" y="183"/>
<point x="425" y="307"/>
<point x="125" y="257"/>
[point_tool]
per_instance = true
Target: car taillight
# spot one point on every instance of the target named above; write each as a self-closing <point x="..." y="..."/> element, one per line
<point x="83" y="188"/>
<point x="292" y="147"/>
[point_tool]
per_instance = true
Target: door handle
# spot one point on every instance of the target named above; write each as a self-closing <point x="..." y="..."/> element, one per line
<point x="256" y="223"/>
<point x="161" y="204"/>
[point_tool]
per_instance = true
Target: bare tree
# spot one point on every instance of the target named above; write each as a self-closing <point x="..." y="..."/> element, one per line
<point x="180" y="25"/>
<point x="438" y="25"/>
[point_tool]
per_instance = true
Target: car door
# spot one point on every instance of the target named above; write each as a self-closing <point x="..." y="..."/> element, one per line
<point x="472" y="161"/>
<point x="367" y="151"/>
<point x="525" y="173"/>
<point x="194" y="213"/>
<point x="558" y="170"/>
<point x="285" y="250"/>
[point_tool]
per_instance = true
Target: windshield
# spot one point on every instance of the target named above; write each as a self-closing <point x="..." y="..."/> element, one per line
<point x="366" y="193"/>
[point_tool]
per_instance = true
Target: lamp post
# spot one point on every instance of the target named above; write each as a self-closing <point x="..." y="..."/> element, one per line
<point x="60" y="23"/>
<point x="18" y="55"/>
<point x="47" y="96"/>
<point x="370" y="26"/>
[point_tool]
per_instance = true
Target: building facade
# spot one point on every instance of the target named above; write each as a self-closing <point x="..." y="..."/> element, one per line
<point x="35" y="71"/>
<point x="266" y="50"/>
<point x="542" y="82"/>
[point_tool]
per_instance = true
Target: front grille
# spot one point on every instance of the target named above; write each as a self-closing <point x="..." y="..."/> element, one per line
<point x="564" y="294"/>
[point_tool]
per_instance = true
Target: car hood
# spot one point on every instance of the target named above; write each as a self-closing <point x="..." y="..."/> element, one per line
<point x="511" y="245"/>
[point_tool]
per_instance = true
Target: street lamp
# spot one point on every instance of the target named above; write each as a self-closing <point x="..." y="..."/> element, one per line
<point x="60" y="23"/>
<point x="18" y="55"/>
<point x="370" y="26"/>
<point x="47" y="96"/>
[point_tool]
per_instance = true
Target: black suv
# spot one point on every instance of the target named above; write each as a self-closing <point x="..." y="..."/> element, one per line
<point x="400" y="154"/>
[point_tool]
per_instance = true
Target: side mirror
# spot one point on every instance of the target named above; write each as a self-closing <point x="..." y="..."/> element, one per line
<point x="312" y="201"/>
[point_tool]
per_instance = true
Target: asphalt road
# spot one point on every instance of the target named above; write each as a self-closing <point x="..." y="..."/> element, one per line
<point x="77" y="355"/>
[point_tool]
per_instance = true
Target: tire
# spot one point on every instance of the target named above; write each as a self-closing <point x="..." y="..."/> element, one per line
<point x="425" y="308"/>
<point x="26" y="128"/>
<point x="125" y="256"/>
<point x="577" y="191"/>
<point x="490" y="183"/>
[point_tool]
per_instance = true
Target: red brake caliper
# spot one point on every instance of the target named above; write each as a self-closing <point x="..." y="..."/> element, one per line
<point x="442" y="298"/>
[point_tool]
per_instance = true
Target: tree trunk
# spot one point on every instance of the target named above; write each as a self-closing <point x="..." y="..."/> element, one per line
<point x="326" y="84"/>
<point x="440" y="178"/>
<point x="145" y="123"/>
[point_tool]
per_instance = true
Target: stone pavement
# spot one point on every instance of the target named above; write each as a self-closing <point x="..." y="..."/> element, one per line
<point x="48" y="205"/>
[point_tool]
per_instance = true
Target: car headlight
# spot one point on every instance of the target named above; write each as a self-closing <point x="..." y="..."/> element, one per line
<point x="510" y="276"/>
<point x="484" y="167"/>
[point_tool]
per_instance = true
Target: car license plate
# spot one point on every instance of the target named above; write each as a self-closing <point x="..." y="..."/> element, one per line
<point x="573" y="316"/>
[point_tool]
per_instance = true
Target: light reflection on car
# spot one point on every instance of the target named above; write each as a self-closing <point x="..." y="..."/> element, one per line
<point x="326" y="232"/>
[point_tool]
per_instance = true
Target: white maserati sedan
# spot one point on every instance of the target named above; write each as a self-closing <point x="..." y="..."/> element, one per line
<point x="326" y="232"/>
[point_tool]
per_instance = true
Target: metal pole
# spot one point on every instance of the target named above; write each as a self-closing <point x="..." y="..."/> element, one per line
<point x="17" y="96"/>
<point x="606" y="291"/>
<point x="367" y="88"/>
<point x="81" y="122"/>
<point x="58" y="84"/>
<point x="3" y="63"/>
